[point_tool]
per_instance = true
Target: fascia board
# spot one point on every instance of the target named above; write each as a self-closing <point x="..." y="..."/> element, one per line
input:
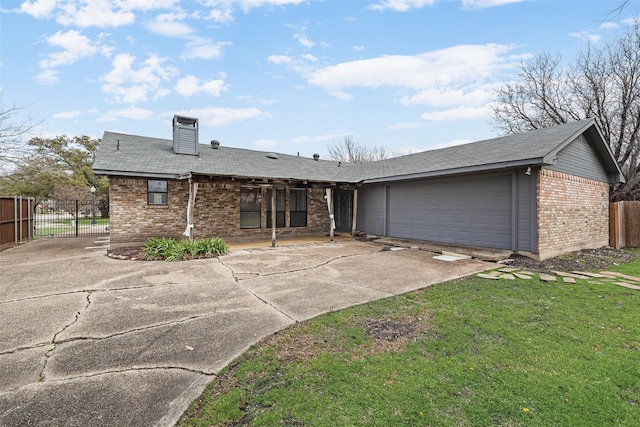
<point x="457" y="171"/>
<point x="136" y="174"/>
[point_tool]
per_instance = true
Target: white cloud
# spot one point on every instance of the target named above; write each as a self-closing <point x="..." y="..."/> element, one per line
<point x="279" y="59"/>
<point x="98" y="13"/>
<point x="609" y="25"/>
<point x="478" y="4"/>
<point x="38" y="8"/>
<point x="203" y="48"/>
<point x="131" y="85"/>
<point x="221" y="116"/>
<point x="401" y="5"/>
<point x="131" y="112"/>
<point x="586" y="36"/>
<point x="168" y="24"/>
<point x="445" y="96"/>
<point x="47" y="77"/>
<point x="191" y="85"/>
<point x="221" y="11"/>
<point x="90" y="13"/>
<point x="358" y="48"/>
<point x="303" y="64"/>
<point x="303" y="39"/>
<point x="406" y="125"/>
<point x="66" y="115"/>
<point x="75" y="46"/>
<point x="442" y="68"/>
<point x="459" y="113"/>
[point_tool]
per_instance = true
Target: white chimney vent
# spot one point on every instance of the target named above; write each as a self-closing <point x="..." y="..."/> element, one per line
<point x="185" y="135"/>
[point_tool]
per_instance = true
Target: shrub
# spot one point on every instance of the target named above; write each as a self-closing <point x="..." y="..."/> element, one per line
<point x="176" y="250"/>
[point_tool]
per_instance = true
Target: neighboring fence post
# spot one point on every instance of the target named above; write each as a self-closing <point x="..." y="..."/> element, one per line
<point x="617" y="225"/>
<point x="77" y="217"/>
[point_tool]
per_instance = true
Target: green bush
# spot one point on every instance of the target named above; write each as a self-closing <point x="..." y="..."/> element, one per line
<point x="176" y="250"/>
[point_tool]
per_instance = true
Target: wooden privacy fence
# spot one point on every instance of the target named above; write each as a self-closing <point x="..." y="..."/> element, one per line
<point x="624" y="224"/>
<point x="16" y="221"/>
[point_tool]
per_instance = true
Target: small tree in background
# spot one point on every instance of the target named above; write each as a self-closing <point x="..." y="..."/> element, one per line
<point x="350" y="151"/>
<point x="59" y="167"/>
<point x="12" y="148"/>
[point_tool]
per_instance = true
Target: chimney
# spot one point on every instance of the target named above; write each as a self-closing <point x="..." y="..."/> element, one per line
<point x="316" y="157"/>
<point x="215" y="144"/>
<point x="185" y="135"/>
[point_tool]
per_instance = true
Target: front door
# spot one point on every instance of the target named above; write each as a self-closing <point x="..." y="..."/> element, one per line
<point x="343" y="209"/>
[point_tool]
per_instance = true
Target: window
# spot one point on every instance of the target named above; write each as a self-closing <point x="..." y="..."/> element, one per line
<point x="298" y="207"/>
<point x="156" y="192"/>
<point x="250" y="207"/>
<point x="280" y="208"/>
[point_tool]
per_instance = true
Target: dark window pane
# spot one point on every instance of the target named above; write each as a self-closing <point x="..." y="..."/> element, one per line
<point x="250" y="207"/>
<point x="154" y="186"/>
<point x="157" y="192"/>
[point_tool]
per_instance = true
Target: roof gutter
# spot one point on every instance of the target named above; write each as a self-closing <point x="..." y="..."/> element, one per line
<point x="539" y="161"/>
<point x="136" y="174"/>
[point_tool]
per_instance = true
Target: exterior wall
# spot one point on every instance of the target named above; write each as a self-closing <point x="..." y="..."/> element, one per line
<point x="580" y="159"/>
<point x="573" y="213"/>
<point x="372" y="209"/>
<point x="216" y="211"/>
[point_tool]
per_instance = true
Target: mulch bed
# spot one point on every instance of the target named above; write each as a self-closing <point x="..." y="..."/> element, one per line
<point x="584" y="260"/>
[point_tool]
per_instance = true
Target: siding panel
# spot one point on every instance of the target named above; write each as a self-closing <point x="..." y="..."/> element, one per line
<point x="371" y="209"/>
<point x="580" y="159"/>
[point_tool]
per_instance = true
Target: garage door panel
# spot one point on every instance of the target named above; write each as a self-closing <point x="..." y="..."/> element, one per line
<point x="474" y="211"/>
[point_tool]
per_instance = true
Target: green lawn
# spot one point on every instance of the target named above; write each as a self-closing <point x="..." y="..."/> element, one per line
<point x="472" y="352"/>
<point x="66" y="226"/>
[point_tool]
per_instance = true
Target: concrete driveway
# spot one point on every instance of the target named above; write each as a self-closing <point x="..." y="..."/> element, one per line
<point x="89" y="340"/>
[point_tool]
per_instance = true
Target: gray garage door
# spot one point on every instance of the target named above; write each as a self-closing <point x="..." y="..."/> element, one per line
<point x="473" y="211"/>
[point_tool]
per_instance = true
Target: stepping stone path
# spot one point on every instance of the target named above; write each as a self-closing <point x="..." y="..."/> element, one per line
<point x="619" y="279"/>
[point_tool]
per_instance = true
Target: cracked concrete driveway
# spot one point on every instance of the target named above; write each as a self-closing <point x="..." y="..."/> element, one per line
<point x="89" y="340"/>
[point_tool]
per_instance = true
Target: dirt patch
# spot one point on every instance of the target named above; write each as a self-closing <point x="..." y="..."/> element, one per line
<point x="390" y="330"/>
<point x="584" y="260"/>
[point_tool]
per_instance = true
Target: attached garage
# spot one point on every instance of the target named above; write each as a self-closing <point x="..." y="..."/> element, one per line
<point x="475" y="212"/>
<point x="541" y="193"/>
<point x="489" y="210"/>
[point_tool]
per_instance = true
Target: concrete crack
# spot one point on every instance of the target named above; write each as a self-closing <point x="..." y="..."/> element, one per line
<point x="144" y="328"/>
<point x="116" y="371"/>
<point x="47" y="355"/>
<point x="238" y="279"/>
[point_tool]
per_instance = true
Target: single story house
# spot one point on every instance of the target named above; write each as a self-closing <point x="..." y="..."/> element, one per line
<point x="540" y="193"/>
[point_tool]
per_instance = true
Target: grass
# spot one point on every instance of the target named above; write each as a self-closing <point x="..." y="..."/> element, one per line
<point x="65" y="226"/>
<point x="472" y="352"/>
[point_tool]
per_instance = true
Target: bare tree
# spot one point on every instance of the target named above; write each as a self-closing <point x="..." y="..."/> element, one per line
<point x="603" y="83"/>
<point x="350" y="151"/>
<point x="12" y="148"/>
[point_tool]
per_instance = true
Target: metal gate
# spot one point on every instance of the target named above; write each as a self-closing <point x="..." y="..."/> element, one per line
<point x="71" y="218"/>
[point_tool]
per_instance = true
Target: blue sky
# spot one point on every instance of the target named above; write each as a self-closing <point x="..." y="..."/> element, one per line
<point x="288" y="76"/>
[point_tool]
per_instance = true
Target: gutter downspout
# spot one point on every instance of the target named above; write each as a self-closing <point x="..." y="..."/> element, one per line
<point x="193" y="191"/>
<point x="332" y="227"/>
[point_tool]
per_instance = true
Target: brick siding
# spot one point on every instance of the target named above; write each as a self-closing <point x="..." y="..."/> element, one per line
<point x="573" y="213"/>
<point x="216" y="211"/>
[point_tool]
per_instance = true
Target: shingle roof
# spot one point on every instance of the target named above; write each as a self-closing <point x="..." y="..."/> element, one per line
<point x="530" y="148"/>
<point x="122" y="154"/>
